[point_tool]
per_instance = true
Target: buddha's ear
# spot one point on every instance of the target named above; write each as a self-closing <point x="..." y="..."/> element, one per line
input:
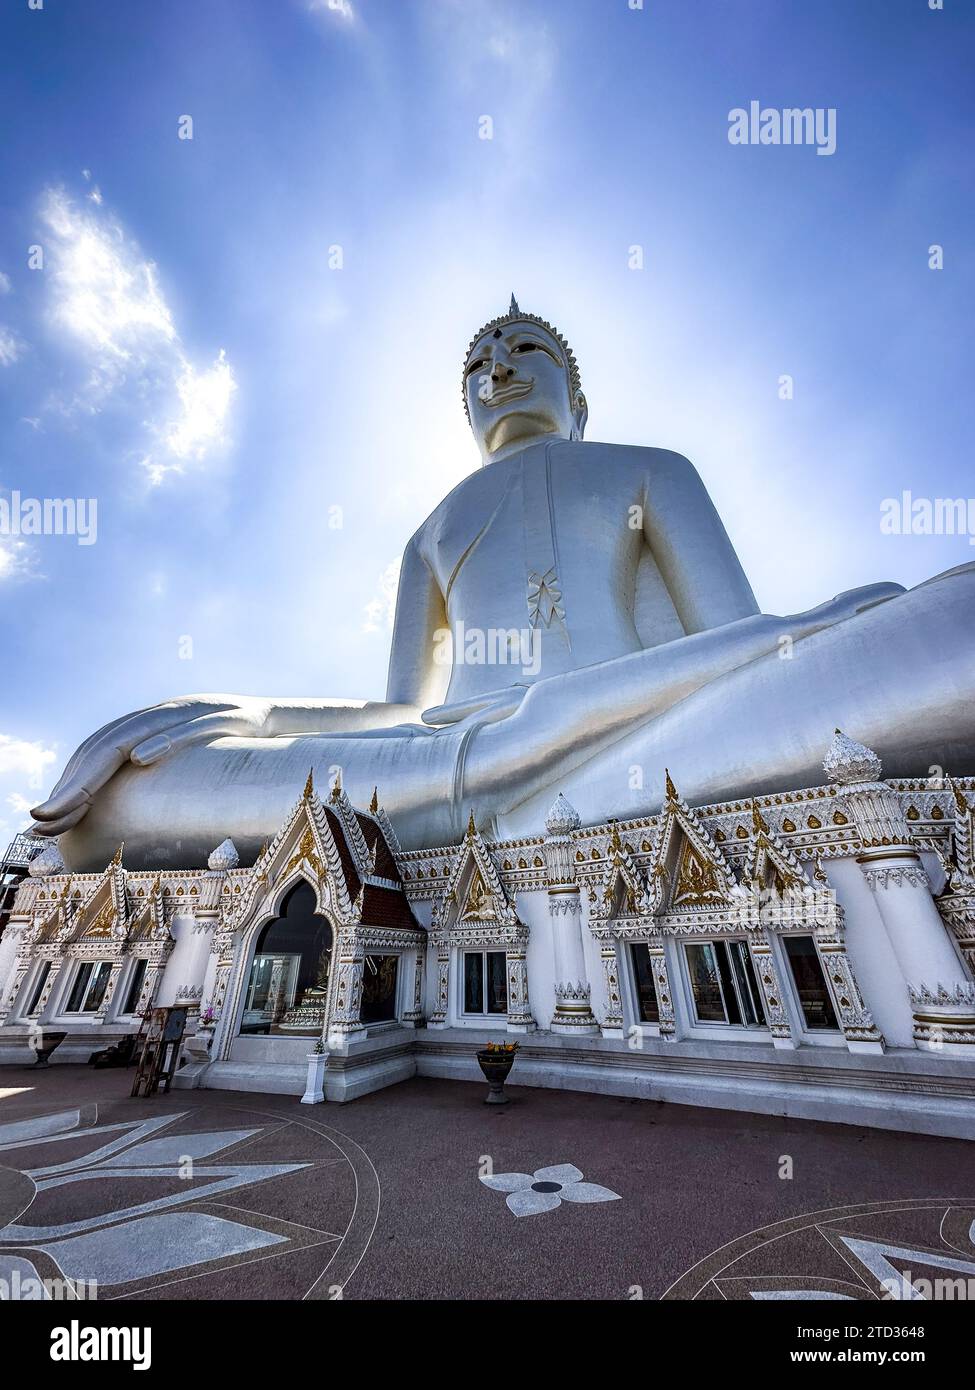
<point x="580" y="415"/>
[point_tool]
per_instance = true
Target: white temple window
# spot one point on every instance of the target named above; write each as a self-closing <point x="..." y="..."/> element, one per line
<point x="723" y="986"/>
<point x="380" y="975"/>
<point x="645" y="994"/>
<point x="36" y="989"/>
<point x="485" y="982"/>
<point x="812" y="991"/>
<point x="136" y="979"/>
<point x="88" y="987"/>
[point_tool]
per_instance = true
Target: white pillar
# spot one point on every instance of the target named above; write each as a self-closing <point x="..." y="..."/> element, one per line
<point x="182" y="980"/>
<point x="942" y="993"/>
<point x="573" y="994"/>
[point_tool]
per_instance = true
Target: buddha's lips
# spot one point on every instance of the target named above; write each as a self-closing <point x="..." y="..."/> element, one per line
<point x="507" y="393"/>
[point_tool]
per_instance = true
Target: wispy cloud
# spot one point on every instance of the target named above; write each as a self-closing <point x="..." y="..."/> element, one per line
<point x="381" y="609"/>
<point x="342" y="9"/>
<point x="16" y="559"/>
<point x="10" y="347"/>
<point x="25" y="759"/>
<point x="5" y="285"/>
<point x="108" y="303"/>
<point x="25" y="767"/>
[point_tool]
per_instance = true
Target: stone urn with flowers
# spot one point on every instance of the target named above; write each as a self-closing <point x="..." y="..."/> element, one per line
<point x="496" y="1061"/>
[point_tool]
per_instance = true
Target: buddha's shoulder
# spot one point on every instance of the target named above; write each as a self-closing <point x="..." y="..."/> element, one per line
<point x="628" y="458"/>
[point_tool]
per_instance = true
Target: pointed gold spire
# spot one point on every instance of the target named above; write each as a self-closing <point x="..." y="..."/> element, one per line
<point x="758" y="820"/>
<point x="615" y="843"/>
<point x="374" y="803"/>
<point x="117" y="857"/>
<point x="471" y="827"/>
<point x="336" y="791"/>
<point x="309" y="785"/>
<point x="669" y="786"/>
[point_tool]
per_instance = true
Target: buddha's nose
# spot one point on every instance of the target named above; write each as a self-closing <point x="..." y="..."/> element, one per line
<point x="501" y="372"/>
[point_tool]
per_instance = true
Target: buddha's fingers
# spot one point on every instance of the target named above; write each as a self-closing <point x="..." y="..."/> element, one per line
<point x="57" y="827"/>
<point x="200" y="730"/>
<point x="109" y="751"/>
<point x="79" y="754"/>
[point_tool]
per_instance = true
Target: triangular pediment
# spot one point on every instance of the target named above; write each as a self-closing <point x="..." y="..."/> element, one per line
<point x="622" y="892"/>
<point x="102" y="914"/>
<point x="962" y="873"/>
<point x="474" y="894"/>
<point x="689" y="869"/>
<point x="304" y="847"/>
<point x="772" y="866"/>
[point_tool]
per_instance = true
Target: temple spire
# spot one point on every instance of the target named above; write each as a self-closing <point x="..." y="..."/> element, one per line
<point x="309" y="784"/>
<point x="374" y="803"/>
<point x="669" y="787"/>
<point x="513" y="307"/>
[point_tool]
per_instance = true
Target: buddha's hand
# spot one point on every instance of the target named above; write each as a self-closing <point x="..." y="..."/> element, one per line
<point x="144" y="738"/>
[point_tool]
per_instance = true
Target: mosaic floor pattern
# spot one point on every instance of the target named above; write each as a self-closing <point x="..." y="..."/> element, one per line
<point x="136" y="1201"/>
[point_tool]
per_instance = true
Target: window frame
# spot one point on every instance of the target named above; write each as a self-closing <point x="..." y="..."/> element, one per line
<point x="713" y="1028"/>
<point x="72" y="984"/>
<point x="485" y="1014"/>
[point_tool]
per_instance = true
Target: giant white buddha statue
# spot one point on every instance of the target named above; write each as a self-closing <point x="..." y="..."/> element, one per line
<point x="646" y="649"/>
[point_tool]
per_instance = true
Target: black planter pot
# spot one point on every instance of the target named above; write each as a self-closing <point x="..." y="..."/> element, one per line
<point x="49" y="1041"/>
<point x="495" y="1066"/>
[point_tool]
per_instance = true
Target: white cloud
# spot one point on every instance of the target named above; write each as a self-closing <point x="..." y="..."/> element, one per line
<point x="342" y="9"/>
<point x="205" y="400"/>
<point x="24" y="759"/>
<point x="380" y="610"/>
<point x="16" y="559"/>
<point x="5" y="285"/>
<point x="10" y="347"/>
<point x="107" y="300"/>
<point x="19" y="804"/>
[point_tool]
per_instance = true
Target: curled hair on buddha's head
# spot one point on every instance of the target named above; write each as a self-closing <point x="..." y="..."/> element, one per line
<point x="516" y="315"/>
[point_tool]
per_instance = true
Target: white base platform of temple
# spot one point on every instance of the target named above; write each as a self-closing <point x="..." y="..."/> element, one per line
<point x="904" y="1090"/>
<point x="806" y="1083"/>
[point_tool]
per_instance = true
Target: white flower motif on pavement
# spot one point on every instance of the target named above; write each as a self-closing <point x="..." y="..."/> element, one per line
<point x="547" y="1188"/>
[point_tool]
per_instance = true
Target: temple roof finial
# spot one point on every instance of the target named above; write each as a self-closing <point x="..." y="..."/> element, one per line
<point x="471" y="827"/>
<point x="374" y="803"/>
<point x="758" y="820"/>
<point x="336" y="791"/>
<point x="847" y="761"/>
<point x="669" y="787"/>
<point x="309" y="784"/>
<point x="562" y="818"/>
<point x="117" y="856"/>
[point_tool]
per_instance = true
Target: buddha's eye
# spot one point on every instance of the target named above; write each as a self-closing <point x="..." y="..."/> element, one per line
<point x="475" y="366"/>
<point x="526" y="347"/>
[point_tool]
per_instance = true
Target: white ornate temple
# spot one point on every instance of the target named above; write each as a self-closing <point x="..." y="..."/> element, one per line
<point x="808" y="953"/>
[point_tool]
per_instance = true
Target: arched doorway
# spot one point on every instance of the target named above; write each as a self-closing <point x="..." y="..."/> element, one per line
<point x="287" y="987"/>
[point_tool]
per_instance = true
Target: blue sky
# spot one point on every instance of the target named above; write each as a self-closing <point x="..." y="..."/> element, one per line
<point x="263" y="432"/>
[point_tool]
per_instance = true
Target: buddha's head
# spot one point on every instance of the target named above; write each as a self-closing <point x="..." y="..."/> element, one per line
<point x="521" y="383"/>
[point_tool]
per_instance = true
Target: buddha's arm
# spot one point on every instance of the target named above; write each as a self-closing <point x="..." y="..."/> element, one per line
<point x="415" y="678"/>
<point x="149" y="735"/>
<point x="696" y="559"/>
<point x="563" y="720"/>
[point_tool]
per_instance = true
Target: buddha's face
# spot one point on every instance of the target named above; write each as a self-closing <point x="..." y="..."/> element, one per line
<point x="517" y="386"/>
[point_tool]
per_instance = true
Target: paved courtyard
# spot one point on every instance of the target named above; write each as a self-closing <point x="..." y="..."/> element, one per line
<point x="209" y="1195"/>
